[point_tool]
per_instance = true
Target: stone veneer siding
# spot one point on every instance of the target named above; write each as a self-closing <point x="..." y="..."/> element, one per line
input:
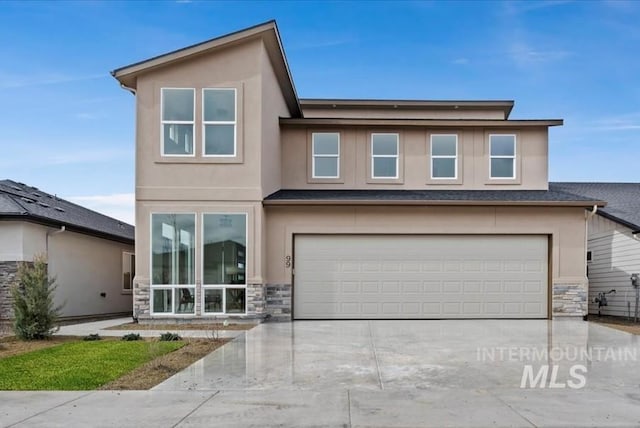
<point x="569" y="300"/>
<point x="279" y="302"/>
<point x="255" y="301"/>
<point x="8" y="272"/>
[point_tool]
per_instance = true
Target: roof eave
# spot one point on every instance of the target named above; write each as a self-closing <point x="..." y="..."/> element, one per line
<point x="635" y="229"/>
<point x="68" y="226"/>
<point x="419" y="122"/>
<point x="268" y="202"/>
<point x="128" y="74"/>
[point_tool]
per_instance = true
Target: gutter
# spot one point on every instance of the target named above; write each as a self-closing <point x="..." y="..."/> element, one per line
<point x="342" y="202"/>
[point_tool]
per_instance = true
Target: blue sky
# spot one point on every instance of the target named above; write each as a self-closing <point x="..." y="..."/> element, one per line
<point x="70" y="128"/>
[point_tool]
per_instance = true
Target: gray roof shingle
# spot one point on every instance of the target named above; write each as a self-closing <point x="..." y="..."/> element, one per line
<point x="623" y="200"/>
<point x="18" y="200"/>
<point x="554" y="194"/>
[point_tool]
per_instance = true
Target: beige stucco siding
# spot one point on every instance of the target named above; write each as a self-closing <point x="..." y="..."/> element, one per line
<point x="531" y="159"/>
<point x="197" y="177"/>
<point x="83" y="265"/>
<point x="615" y="256"/>
<point x="11" y="243"/>
<point x="565" y="226"/>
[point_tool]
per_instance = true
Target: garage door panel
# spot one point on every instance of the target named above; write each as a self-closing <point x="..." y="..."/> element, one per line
<point x="386" y="276"/>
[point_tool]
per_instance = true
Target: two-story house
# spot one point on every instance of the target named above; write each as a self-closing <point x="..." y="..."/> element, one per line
<point x="251" y="202"/>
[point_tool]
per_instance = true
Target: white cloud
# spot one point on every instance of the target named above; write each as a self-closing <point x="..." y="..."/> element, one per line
<point x="117" y="205"/>
<point x="9" y="80"/>
<point x="526" y="55"/>
<point x="621" y="122"/>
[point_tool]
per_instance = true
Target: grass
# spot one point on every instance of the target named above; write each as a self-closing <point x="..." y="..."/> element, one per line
<point x="78" y="365"/>
<point x="619" y="323"/>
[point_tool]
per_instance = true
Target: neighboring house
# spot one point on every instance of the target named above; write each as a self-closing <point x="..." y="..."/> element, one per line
<point x="90" y="254"/>
<point x="253" y="203"/>
<point x="613" y="248"/>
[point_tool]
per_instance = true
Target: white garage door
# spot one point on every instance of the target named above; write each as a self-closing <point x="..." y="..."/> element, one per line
<point x="420" y="276"/>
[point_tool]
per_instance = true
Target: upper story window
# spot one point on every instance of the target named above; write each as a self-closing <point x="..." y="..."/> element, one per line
<point x="444" y="156"/>
<point x="326" y="155"/>
<point x="178" y="106"/>
<point x="219" y="122"/>
<point x="384" y="155"/>
<point x="502" y="154"/>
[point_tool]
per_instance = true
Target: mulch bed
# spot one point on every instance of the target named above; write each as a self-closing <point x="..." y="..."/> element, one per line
<point x="619" y="323"/>
<point x="182" y="326"/>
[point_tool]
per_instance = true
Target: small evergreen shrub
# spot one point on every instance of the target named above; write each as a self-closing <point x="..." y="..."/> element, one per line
<point x="36" y="317"/>
<point x="92" y="337"/>
<point x="131" y="336"/>
<point x="169" y="337"/>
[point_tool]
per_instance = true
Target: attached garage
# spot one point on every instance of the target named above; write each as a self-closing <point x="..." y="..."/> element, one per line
<point x="420" y="276"/>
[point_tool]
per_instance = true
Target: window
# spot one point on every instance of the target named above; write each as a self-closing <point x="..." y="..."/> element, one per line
<point x="444" y="156"/>
<point x="224" y="263"/>
<point x="384" y="155"/>
<point x="502" y="156"/>
<point x="178" y="107"/>
<point x="219" y="122"/>
<point x="326" y="155"/>
<point x="172" y="263"/>
<point x="128" y="271"/>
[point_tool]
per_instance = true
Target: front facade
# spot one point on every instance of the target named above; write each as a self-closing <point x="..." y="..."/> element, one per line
<point x="253" y="203"/>
<point x="90" y="255"/>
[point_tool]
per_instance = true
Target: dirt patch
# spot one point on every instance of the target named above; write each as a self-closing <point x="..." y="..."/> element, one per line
<point x="12" y="346"/>
<point x="618" y="323"/>
<point x="186" y="326"/>
<point x="152" y="373"/>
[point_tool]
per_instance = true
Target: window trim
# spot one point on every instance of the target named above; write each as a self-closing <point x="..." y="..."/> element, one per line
<point x="131" y="255"/>
<point x="314" y="156"/>
<point x="153" y="286"/>
<point x="513" y="157"/>
<point x="454" y="157"/>
<point x="221" y="122"/>
<point x="224" y="287"/>
<point x="177" y="122"/>
<point x="396" y="156"/>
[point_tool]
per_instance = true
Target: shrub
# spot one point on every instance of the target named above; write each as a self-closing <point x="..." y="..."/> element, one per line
<point x="36" y="317"/>
<point x="169" y="337"/>
<point x="131" y="336"/>
<point x="92" y="337"/>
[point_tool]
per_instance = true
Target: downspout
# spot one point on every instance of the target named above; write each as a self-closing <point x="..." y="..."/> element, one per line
<point x="123" y="86"/>
<point x="49" y="233"/>
<point x="588" y="216"/>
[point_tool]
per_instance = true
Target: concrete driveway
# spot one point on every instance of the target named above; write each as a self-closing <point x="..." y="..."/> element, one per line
<point x="385" y="374"/>
<point x="422" y="373"/>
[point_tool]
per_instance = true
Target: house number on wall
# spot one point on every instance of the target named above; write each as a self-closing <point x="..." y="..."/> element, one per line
<point x="287" y="261"/>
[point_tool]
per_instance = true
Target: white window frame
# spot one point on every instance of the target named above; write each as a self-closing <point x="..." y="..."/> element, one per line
<point x="513" y="157"/>
<point x="177" y="122"/>
<point x="221" y="122"/>
<point x="224" y="287"/>
<point x="314" y="156"/>
<point x="396" y="156"/>
<point x="131" y="257"/>
<point x="172" y="287"/>
<point x="454" y="157"/>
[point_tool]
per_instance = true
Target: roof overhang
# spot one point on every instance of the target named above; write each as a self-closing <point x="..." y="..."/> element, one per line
<point x="635" y="229"/>
<point x="434" y="123"/>
<point x="68" y="226"/>
<point x="268" y="32"/>
<point x="403" y="105"/>
<point x="342" y="202"/>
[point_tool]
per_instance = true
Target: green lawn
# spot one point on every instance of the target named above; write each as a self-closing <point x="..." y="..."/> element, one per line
<point x="78" y="365"/>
